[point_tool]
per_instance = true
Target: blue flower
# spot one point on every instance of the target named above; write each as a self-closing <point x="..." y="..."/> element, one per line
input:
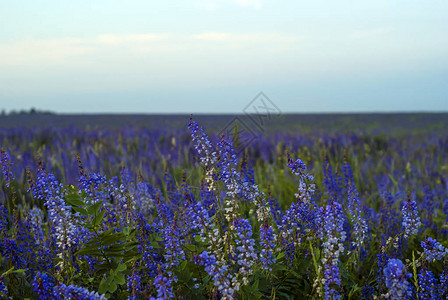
<point x="246" y="254"/>
<point x="360" y="227"/>
<point x="202" y="145"/>
<point x="163" y="287"/>
<point x="411" y="220"/>
<point x="134" y="284"/>
<point x="267" y="242"/>
<point x="433" y="249"/>
<point x="43" y="285"/>
<point x="3" y="289"/>
<point x="72" y="291"/>
<point x="428" y="285"/>
<point x="396" y="279"/>
<point x="65" y="228"/>
<point x="6" y="167"/>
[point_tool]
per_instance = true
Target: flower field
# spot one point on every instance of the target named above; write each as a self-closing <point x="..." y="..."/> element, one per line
<point x="181" y="213"/>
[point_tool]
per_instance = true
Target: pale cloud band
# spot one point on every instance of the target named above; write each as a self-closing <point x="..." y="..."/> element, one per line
<point x="208" y="58"/>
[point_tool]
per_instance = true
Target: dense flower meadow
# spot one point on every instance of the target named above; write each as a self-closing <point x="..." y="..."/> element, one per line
<point x="139" y="214"/>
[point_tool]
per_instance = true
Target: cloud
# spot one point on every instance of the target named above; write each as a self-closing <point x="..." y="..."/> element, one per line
<point x="370" y="33"/>
<point x="249" y="3"/>
<point x="213" y="5"/>
<point x="113" y="39"/>
<point x="78" y="50"/>
<point x="154" y="60"/>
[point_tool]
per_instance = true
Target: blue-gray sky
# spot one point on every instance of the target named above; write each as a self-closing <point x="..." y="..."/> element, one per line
<point x="216" y="55"/>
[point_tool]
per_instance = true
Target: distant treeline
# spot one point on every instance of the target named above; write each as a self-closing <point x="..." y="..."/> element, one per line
<point x="31" y="111"/>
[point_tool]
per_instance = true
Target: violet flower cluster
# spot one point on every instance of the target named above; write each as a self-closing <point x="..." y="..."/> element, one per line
<point x="396" y="279"/>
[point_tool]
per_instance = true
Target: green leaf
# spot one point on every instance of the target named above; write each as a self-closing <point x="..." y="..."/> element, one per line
<point x="112" y="287"/>
<point x="90" y="250"/>
<point x="280" y="255"/>
<point x="103" y="287"/>
<point x="70" y="197"/>
<point x="157" y="238"/>
<point x="119" y="279"/>
<point x="183" y="265"/>
<point x="255" y="285"/>
<point x="106" y="233"/>
<point x="192" y="248"/>
<point x="74" y="202"/>
<point x="81" y="210"/>
<point x="93" y="210"/>
<point x="112" y="238"/>
<point x="121" y="267"/>
<point x="98" y="218"/>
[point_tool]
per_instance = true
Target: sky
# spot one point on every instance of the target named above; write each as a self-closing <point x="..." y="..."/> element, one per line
<point x="215" y="56"/>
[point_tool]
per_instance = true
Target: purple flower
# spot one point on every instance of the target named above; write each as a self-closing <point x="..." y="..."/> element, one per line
<point x="3" y="218"/>
<point x="246" y="254"/>
<point x="43" y="285"/>
<point x="332" y="277"/>
<point x="75" y="292"/>
<point x="219" y="272"/>
<point x="202" y="144"/>
<point x="6" y="167"/>
<point x="163" y="287"/>
<point x="396" y="279"/>
<point x="306" y="186"/>
<point x="267" y="242"/>
<point x="428" y="285"/>
<point x="65" y="228"/>
<point x="134" y="284"/>
<point x="360" y="228"/>
<point x="411" y="220"/>
<point x="433" y="249"/>
<point x="173" y="250"/>
<point x="3" y="289"/>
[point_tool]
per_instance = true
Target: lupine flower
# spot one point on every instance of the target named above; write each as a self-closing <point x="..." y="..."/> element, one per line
<point x="163" y="287"/>
<point x="267" y="242"/>
<point x="43" y="285"/>
<point x="443" y="279"/>
<point x="6" y="167"/>
<point x="72" y="291"/>
<point x="246" y="254"/>
<point x="65" y="228"/>
<point x="306" y="185"/>
<point x="3" y="218"/>
<point x="360" y="228"/>
<point x="334" y="234"/>
<point x="275" y="210"/>
<point x="382" y="258"/>
<point x="35" y="221"/>
<point x="332" y="182"/>
<point x="295" y="223"/>
<point x="3" y="289"/>
<point x="205" y="150"/>
<point x="333" y="247"/>
<point x="144" y="198"/>
<point x="95" y="185"/>
<point x="134" y="284"/>
<point x="411" y="220"/>
<point x="433" y="249"/>
<point x="173" y="250"/>
<point x="219" y="272"/>
<point x="331" y="277"/>
<point x="428" y="285"/>
<point x="396" y="279"/>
